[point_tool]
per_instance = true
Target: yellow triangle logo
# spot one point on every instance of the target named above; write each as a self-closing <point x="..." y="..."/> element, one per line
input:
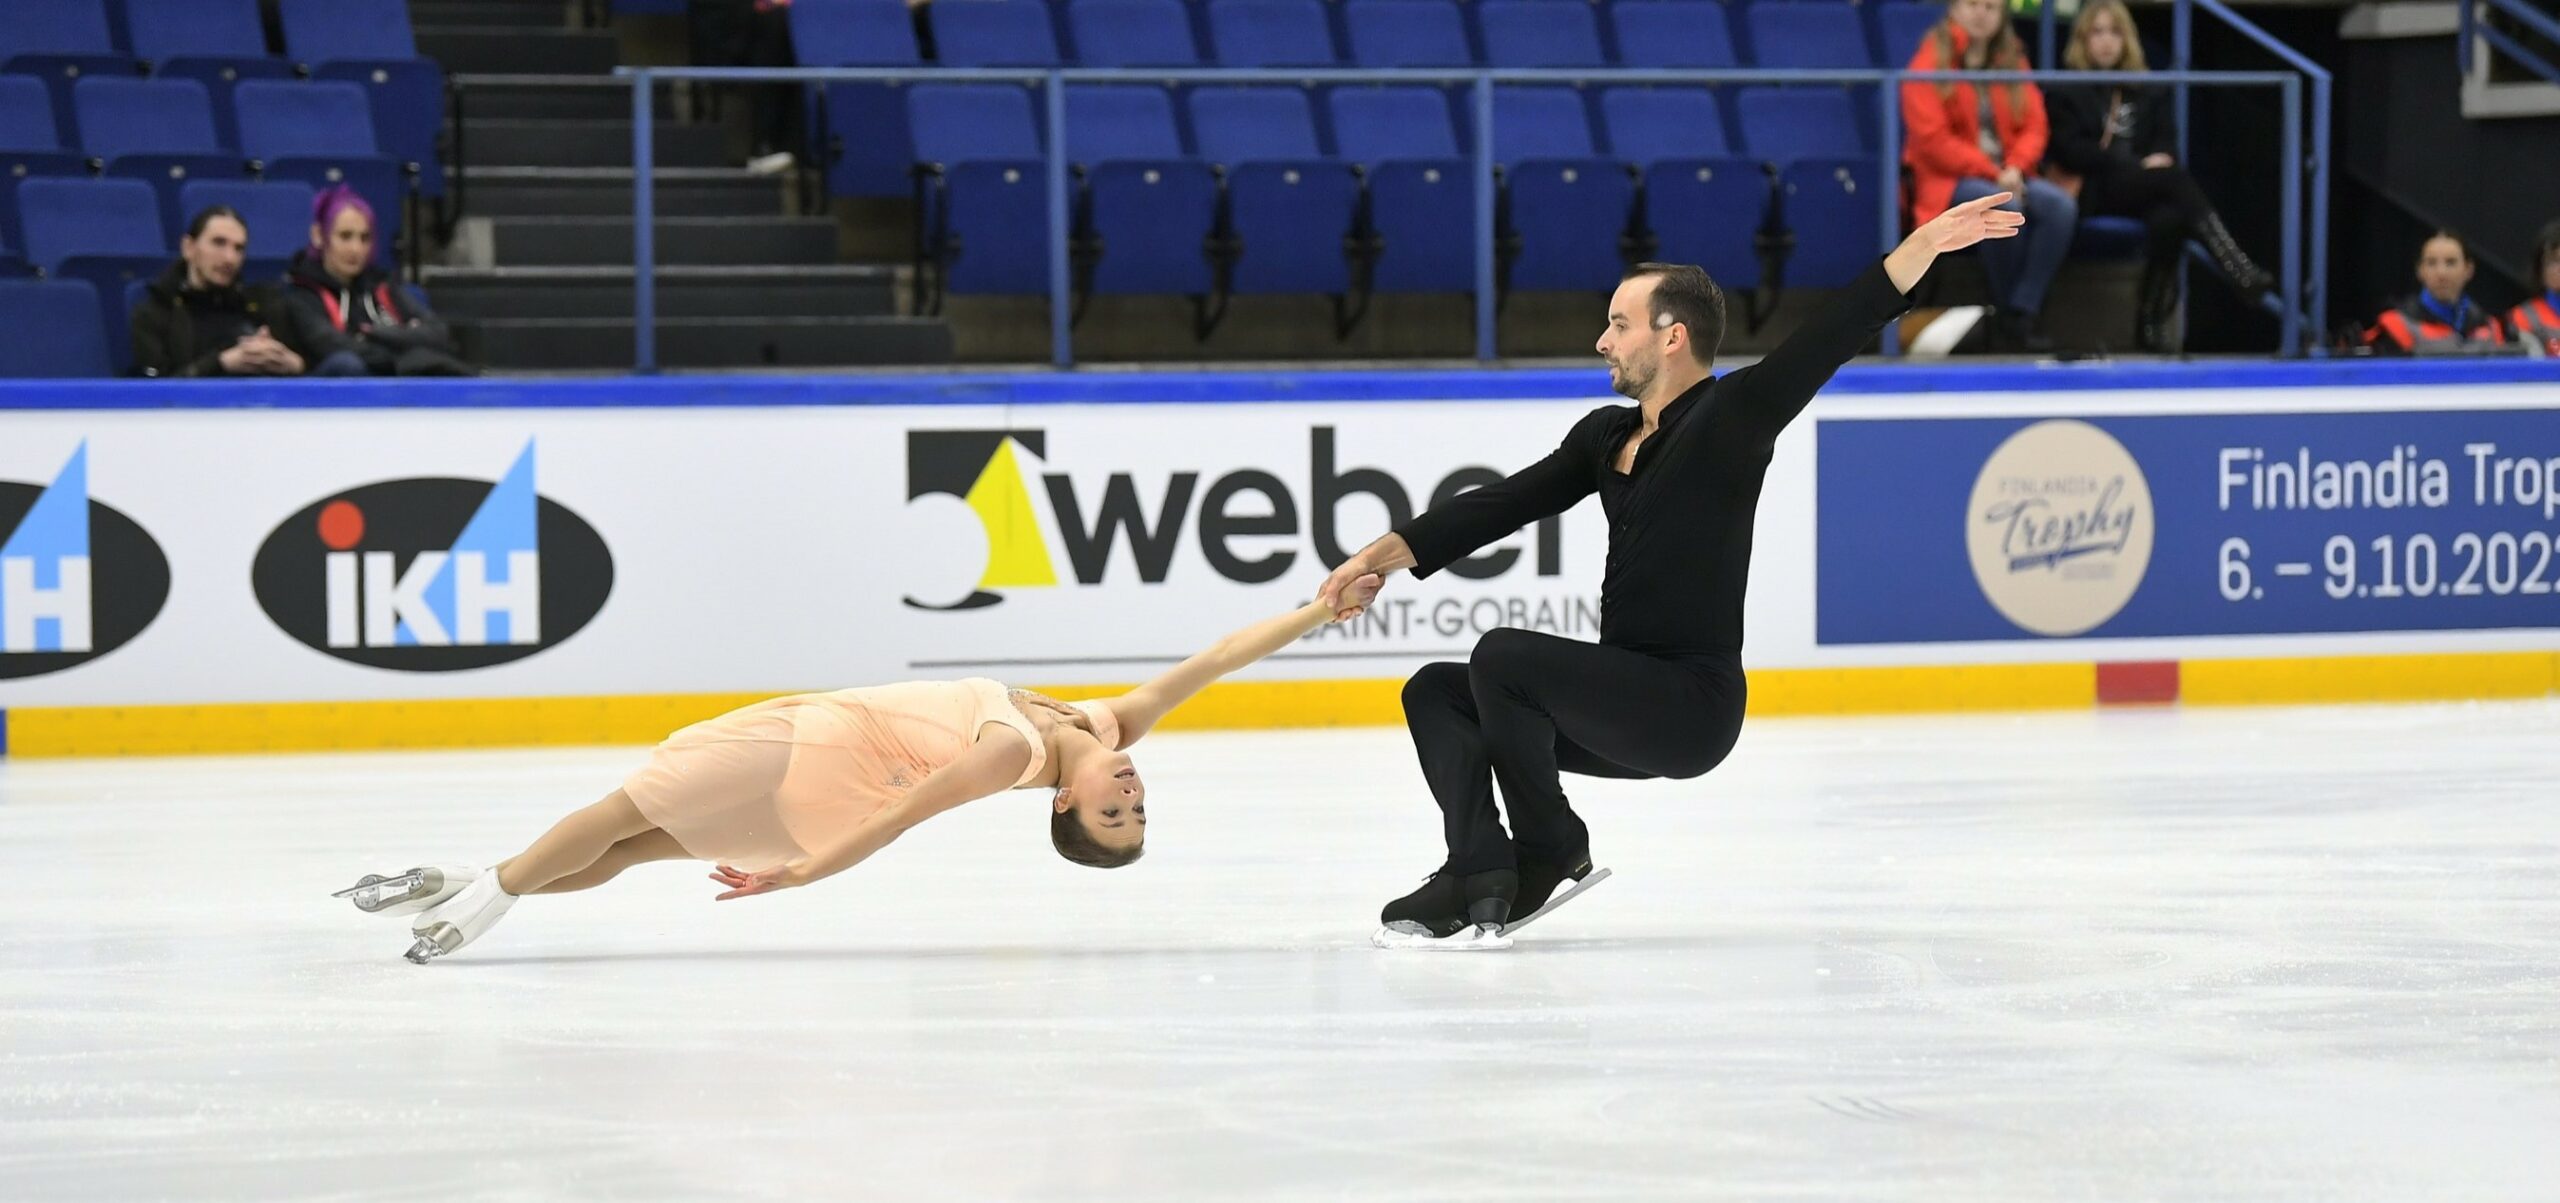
<point x="1017" y="553"/>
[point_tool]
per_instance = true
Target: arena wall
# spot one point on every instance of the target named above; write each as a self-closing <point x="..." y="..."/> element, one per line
<point x="304" y="565"/>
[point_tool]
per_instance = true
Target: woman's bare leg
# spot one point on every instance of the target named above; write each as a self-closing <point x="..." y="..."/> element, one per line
<point x="651" y="845"/>
<point x="572" y="844"/>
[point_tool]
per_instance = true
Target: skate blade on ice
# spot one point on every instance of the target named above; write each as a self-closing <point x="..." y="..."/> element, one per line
<point x="405" y="893"/>
<point x="1593" y="878"/>
<point x="1403" y="936"/>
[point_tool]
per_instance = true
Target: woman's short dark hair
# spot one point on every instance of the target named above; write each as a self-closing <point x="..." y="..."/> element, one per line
<point x="1074" y="842"/>
<point x="2449" y="236"/>
<point x="1686" y="293"/>
<point x="2546" y="244"/>
<point x="205" y="217"/>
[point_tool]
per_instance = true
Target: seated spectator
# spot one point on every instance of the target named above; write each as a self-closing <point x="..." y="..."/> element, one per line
<point x="2113" y="148"/>
<point x="198" y="319"/>
<point x="1964" y="142"/>
<point x="2536" y="323"/>
<point x="2442" y="318"/>
<point x="334" y="284"/>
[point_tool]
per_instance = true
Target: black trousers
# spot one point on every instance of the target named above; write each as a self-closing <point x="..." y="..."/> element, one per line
<point x="2167" y="199"/>
<point x="1527" y="707"/>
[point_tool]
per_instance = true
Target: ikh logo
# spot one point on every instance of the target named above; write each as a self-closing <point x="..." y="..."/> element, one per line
<point x="984" y="471"/>
<point x="77" y="579"/>
<point x="434" y="574"/>
<point x="2059" y="529"/>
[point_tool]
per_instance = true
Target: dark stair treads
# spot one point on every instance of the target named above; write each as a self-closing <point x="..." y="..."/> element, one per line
<point x="588" y="144"/>
<point x="487" y="14"/>
<point x="489" y="294"/>
<point x="517" y="51"/>
<point x="707" y="241"/>
<point x="552" y="98"/>
<point x="606" y="192"/>
<point x="570" y="344"/>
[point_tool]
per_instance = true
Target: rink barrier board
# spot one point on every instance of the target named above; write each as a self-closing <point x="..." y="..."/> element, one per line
<point x="1250" y="705"/>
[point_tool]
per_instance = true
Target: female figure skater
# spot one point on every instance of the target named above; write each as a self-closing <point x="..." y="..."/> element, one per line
<point x="798" y="789"/>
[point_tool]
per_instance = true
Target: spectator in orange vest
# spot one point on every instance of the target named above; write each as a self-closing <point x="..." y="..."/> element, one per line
<point x="2442" y="318"/>
<point x="2536" y="323"/>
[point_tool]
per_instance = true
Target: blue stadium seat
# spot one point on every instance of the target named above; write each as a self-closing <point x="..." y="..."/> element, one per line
<point x="30" y="145"/>
<point x="1271" y="33"/>
<point x="983" y="198"/>
<point x="1406" y="33"/>
<point x="1809" y="36"/>
<point x="1421" y="207"/>
<point x="159" y="131"/>
<point x="1672" y="34"/>
<point x="1827" y="183"/>
<point x="105" y="232"/>
<point x="993" y="33"/>
<point x="322" y="133"/>
<point x="278" y="214"/>
<point x="407" y="101"/>
<point x="861" y="127"/>
<point x="2110" y="238"/>
<point x="1702" y="204"/>
<point x="1540" y="33"/>
<point x="54" y="330"/>
<point x="321" y="31"/>
<point x="1289" y="207"/>
<point x="1149" y="207"/>
<point x="1899" y="28"/>
<point x="165" y="30"/>
<point x="59" y="42"/>
<point x="1133" y="33"/>
<point x="1569" y="206"/>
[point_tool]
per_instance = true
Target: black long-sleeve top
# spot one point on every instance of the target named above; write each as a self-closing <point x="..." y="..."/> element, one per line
<point x="1680" y="523"/>
<point x="2082" y="114"/>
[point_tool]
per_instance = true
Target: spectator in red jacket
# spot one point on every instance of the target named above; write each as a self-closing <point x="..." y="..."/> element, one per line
<point x="2442" y="318"/>
<point x="2537" y="321"/>
<point x="1964" y="141"/>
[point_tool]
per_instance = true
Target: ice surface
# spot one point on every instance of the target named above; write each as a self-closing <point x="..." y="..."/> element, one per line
<point x="2188" y="954"/>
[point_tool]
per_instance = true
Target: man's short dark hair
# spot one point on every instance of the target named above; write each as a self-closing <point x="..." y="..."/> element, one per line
<point x="1686" y="293"/>
<point x="2546" y="244"/>
<point x="195" y="229"/>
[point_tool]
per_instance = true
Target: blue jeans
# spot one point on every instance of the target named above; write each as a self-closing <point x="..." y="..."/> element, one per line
<point x="2022" y="268"/>
<point x="338" y="363"/>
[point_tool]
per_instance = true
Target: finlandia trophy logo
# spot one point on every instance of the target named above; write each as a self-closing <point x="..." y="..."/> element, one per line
<point x="2059" y="527"/>
<point x="434" y="574"/>
<point x="77" y="578"/>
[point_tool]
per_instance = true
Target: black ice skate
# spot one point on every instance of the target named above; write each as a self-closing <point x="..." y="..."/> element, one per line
<point x="1538" y="888"/>
<point x="1451" y="913"/>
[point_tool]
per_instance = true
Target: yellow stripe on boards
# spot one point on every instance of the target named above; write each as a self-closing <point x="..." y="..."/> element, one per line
<point x="1923" y="689"/>
<point x="354" y="726"/>
<point x="2317" y="679"/>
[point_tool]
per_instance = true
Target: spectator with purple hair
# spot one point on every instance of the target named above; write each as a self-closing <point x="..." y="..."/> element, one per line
<point x="336" y="283"/>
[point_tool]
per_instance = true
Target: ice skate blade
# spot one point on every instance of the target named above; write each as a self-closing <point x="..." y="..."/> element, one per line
<point x="1593" y="878"/>
<point x="425" y="950"/>
<point x="409" y="892"/>
<point x="1408" y="937"/>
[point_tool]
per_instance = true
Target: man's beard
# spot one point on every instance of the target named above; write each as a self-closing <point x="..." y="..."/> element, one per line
<point x="1630" y="385"/>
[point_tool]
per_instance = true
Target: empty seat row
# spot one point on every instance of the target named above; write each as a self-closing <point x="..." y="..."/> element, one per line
<point x="861" y="128"/>
<point x="1256" y="202"/>
<point x="161" y="132"/>
<point x="221" y="43"/>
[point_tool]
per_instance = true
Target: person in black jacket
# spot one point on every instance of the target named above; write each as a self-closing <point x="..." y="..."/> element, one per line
<point x="1661" y="694"/>
<point x="334" y="284"/>
<point x="198" y="319"/>
<point x="2116" y="143"/>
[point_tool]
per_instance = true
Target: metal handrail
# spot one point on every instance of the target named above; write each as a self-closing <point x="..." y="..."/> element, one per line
<point x="2473" y="27"/>
<point x="2298" y="286"/>
<point x="1055" y="81"/>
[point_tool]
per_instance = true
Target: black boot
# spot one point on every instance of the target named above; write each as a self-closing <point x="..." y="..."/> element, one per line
<point x="2253" y="282"/>
<point x="2155" y="322"/>
<point x="1539" y="880"/>
<point x="1448" y="903"/>
<point x="2014" y="333"/>
<point x="1490" y="895"/>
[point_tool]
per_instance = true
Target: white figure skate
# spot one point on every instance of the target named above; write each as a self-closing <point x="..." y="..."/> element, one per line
<point x="464" y="918"/>
<point x="410" y="892"/>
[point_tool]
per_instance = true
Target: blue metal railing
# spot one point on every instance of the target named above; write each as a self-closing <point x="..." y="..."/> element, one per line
<point x="1054" y="84"/>
<point x="2499" y="40"/>
<point x="2297" y="289"/>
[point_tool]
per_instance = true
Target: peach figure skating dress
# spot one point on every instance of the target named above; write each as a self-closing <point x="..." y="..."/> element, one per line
<point x="778" y="780"/>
